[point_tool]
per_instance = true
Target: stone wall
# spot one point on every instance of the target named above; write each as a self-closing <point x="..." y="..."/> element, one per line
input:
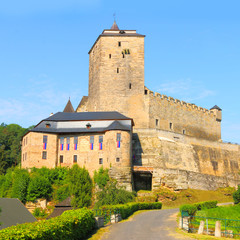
<point x="177" y="157"/>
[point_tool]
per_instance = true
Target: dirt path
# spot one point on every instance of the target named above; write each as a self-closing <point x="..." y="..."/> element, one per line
<point x="150" y="225"/>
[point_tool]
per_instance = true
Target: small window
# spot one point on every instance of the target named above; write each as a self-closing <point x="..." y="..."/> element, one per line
<point x="68" y="144"/>
<point x="61" y="158"/>
<point x="91" y="142"/>
<point x="48" y="125"/>
<point x="100" y="142"/>
<point x="118" y="136"/>
<point x="75" y="143"/>
<point x="61" y="143"/>
<point x="100" y="161"/>
<point x="145" y="92"/>
<point x="24" y="142"/>
<point x="170" y="125"/>
<point x="117" y="70"/>
<point x="123" y="55"/>
<point x="44" y="155"/>
<point x="45" y="138"/>
<point x="119" y="44"/>
<point x="156" y="122"/>
<point x="74" y="158"/>
<point x="117" y="159"/>
<point x="184" y="131"/>
<point x="130" y="86"/>
<point x="110" y="56"/>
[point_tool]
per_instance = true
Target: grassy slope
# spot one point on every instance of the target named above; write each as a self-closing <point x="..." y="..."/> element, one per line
<point x="172" y="199"/>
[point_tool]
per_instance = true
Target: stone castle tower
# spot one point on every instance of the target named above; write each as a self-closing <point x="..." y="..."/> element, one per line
<point x="116" y="74"/>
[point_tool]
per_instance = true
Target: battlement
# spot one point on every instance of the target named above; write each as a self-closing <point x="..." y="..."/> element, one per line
<point x="189" y="106"/>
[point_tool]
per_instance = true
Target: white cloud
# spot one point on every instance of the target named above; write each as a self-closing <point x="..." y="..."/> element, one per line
<point x="185" y="89"/>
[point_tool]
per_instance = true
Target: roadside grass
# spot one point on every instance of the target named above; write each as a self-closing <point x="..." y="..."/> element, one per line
<point x="198" y="236"/>
<point x="174" y="199"/>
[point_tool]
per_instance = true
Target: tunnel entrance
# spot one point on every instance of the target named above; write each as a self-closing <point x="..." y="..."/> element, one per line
<point x="142" y="181"/>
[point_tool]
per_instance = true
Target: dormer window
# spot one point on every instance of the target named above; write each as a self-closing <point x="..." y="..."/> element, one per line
<point x="48" y="125"/>
<point x="88" y="126"/>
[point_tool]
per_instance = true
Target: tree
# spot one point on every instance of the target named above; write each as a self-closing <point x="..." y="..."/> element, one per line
<point x="39" y="187"/>
<point x="112" y="194"/>
<point x="101" y="177"/>
<point x="236" y="196"/>
<point x="80" y="185"/>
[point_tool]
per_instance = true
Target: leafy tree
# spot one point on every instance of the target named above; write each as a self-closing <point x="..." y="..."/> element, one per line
<point x="10" y="145"/>
<point x="236" y="196"/>
<point x="39" y="187"/>
<point x="20" y="185"/>
<point x="80" y="185"/>
<point x="111" y="194"/>
<point x="101" y="177"/>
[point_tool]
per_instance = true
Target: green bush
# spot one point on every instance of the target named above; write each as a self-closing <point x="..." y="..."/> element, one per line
<point x="62" y="192"/>
<point x="80" y="185"/>
<point x="128" y="209"/>
<point x="191" y="209"/>
<point x="101" y="177"/>
<point x="39" y="212"/>
<point x="206" y="205"/>
<point x="236" y="196"/>
<point x="39" y="187"/>
<point x="112" y="194"/>
<point x="73" y="224"/>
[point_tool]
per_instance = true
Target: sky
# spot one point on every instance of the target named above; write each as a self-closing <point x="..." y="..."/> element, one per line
<point x="192" y="52"/>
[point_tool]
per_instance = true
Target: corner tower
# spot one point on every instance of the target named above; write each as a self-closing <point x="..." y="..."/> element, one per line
<point x="116" y="73"/>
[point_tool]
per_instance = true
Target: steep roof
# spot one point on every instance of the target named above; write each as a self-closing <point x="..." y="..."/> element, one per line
<point x="69" y="108"/>
<point x="216" y="107"/>
<point x="13" y="213"/>
<point x="84" y="116"/>
<point x="114" y="26"/>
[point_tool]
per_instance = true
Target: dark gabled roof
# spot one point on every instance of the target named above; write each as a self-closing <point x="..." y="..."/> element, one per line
<point x="69" y="107"/>
<point x="85" y="116"/>
<point x="216" y="107"/>
<point x="13" y="213"/>
<point x="65" y="203"/>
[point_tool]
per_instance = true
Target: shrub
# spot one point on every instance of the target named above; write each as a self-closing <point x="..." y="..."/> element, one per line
<point x="111" y="194"/>
<point x="101" y="177"/>
<point x="73" y="224"/>
<point x="236" y="196"/>
<point x="62" y="192"/>
<point x="39" y="187"/>
<point x="206" y="205"/>
<point x="191" y="209"/>
<point x="39" y="212"/>
<point x="128" y="209"/>
<point x="80" y="185"/>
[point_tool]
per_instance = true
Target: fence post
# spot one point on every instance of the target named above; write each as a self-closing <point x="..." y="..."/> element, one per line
<point x="225" y="227"/>
<point x="218" y="229"/>
<point x="201" y="227"/>
<point x="207" y="225"/>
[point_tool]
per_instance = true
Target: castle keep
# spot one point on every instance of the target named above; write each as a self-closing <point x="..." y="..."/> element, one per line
<point x="169" y="142"/>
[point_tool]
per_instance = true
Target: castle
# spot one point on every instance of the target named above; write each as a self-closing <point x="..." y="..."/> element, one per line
<point x="164" y="141"/>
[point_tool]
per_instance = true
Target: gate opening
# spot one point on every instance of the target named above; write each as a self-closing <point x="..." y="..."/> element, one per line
<point x="142" y="181"/>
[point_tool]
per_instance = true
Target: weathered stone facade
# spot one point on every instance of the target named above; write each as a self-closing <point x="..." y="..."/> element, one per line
<point x="176" y="143"/>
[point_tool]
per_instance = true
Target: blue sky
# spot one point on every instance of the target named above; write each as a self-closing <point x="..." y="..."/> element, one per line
<point x="192" y="52"/>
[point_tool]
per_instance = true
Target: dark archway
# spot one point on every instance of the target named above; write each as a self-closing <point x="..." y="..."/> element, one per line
<point x="142" y="181"/>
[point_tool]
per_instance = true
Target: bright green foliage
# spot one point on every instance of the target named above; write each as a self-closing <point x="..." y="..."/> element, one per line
<point x="10" y="147"/>
<point x="73" y="224"/>
<point x="128" y="209"/>
<point x="206" y="205"/>
<point x="39" y="213"/>
<point x="101" y="177"/>
<point x="80" y="185"/>
<point x="39" y="187"/>
<point x="191" y="209"/>
<point x="236" y="196"/>
<point x="111" y="194"/>
<point x="20" y="185"/>
<point x="62" y="192"/>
